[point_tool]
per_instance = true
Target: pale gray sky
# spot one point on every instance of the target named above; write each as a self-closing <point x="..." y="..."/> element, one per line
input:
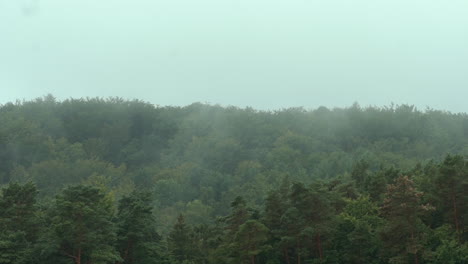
<point x="263" y="53"/>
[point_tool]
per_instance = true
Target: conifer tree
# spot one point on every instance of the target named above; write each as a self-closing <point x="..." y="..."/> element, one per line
<point x="356" y="239"/>
<point x="451" y="190"/>
<point x="402" y="208"/>
<point x="179" y="241"/>
<point x="138" y="241"/>
<point x="239" y="214"/>
<point x="82" y="226"/>
<point x="250" y="240"/>
<point x="18" y="225"/>
<point x="314" y="205"/>
<point x="275" y="209"/>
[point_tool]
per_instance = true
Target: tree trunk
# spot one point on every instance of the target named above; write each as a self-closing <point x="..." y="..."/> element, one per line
<point x="455" y="212"/>
<point x="319" y="247"/>
<point x="286" y="255"/>
<point x="78" y="257"/>
<point x="416" y="260"/>
<point x="298" y="254"/>
<point x="127" y="252"/>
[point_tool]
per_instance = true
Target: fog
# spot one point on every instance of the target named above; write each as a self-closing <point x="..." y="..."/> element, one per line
<point x="265" y="54"/>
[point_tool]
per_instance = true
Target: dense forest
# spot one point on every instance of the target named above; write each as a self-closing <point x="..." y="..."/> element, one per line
<point x="100" y="181"/>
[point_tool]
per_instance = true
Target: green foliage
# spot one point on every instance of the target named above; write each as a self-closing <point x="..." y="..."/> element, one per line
<point x="250" y="240"/>
<point x="180" y="242"/>
<point x="452" y="195"/>
<point x="138" y="240"/>
<point x="356" y="236"/>
<point x="448" y="249"/>
<point x="18" y="223"/>
<point x="403" y="233"/>
<point x="82" y="225"/>
<point x="148" y="164"/>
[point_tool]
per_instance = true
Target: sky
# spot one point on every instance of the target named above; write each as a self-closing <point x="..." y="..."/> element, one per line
<point x="267" y="54"/>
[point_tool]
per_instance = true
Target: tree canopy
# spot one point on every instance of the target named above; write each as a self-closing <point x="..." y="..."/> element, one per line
<point x="97" y="180"/>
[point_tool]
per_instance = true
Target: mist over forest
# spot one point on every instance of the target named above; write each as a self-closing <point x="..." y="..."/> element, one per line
<point x="97" y="180"/>
<point x="172" y="132"/>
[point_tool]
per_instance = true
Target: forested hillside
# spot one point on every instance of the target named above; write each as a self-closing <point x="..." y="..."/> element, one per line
<point x="115" y="181"/>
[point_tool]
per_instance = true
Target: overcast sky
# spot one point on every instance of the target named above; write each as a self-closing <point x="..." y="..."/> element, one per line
<point x="267" y="54"/>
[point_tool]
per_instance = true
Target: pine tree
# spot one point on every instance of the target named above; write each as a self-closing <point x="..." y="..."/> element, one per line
<point x="239" y="214"/>
<point x="138" y="241"/>
<point x="403" y="233"/>
<point x="315" y="207"/>
<point x="451" y="191"/>
<point x="356" y="239"/>
<point x="250" y="240"/>
<point x="18" y="222"/>
<point x="82" y="226"/>
<point x="179" y="241"/>
<point x="360" y="173"/>
<point x="275" y="209"/>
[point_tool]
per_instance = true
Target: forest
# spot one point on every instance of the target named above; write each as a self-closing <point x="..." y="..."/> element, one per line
<point x="101" y="181"/>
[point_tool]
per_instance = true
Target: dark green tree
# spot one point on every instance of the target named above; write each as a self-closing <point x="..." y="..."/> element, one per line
<point x="82" y="226"/>
<point x="448" y="249"/>
<point x="403" y="233"/>
<point x="138" y="241"/>
<point x="360" y="173"/>
<point x="180" y="242"/>
<point x="239" y="215"/>
<point x="315" y="205"/>
<point x="18" y="223"/>
<point x="275" y="209"/>
<point x="451" y="191"/>
<point x="251" y="240"/>
<point x="356" y="239"/>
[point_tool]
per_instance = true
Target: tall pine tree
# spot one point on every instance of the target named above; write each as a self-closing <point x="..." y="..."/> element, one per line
<point x="403" y="233"/>
<point x="138" y="241"/>
<point x="82" y="226"/>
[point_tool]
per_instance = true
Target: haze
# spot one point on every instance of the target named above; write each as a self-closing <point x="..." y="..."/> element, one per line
<point x="265" y="54"/>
